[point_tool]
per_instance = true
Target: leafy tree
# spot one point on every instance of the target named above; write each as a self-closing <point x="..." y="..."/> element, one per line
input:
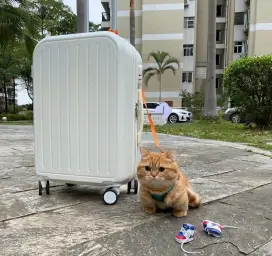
<point x="55" y="18"/>
<point x="163" y="62"/>
<point x="16" y="24"/>
<point x="194" y="102"/>
<point x="24" y="66"/>
<point x="8" y="73"/>
<point x="248" y="83"/>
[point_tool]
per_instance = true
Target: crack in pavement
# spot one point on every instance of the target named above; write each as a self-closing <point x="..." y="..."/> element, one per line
<point x="223" y="242"/>
<point x="86" y="253"/>
<point x="38" y="212"/>
<point x="30" y="189"/>
<point x="5" y="178"/>
<point x="222" y="202"/>
<point x="258" y="247"/>
<point x="220" y="173"/>
<point x="237" y="193"/>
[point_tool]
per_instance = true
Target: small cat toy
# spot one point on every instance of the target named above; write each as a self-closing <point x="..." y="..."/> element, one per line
<point x="186" y="235"/>
<point x="187" y="232"/>
<point x="214" y="229"/>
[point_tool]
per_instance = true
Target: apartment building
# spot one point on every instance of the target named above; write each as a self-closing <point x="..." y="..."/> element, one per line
<point x="179" y="27"/>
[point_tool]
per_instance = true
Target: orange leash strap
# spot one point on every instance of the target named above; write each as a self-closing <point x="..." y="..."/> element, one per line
<point x="153" y="130"/>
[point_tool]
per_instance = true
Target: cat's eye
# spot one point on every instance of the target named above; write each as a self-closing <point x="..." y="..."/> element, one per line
<point x="147" y="168"/>
<point x="161" y="169"/>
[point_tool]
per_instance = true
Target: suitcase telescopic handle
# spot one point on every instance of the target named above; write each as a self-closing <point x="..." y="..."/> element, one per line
<point x="141" y="110"/>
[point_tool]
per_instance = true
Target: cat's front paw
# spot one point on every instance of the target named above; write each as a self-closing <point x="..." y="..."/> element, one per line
<point x="149" y="210"/>
<point x="179" y="213"/>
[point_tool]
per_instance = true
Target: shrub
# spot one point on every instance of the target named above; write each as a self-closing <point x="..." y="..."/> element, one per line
<point x="18" y="117"/>
<point x="248" y="82"/>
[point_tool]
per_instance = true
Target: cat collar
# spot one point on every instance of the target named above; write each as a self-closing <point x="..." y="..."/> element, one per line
<point x="160" y="197"/>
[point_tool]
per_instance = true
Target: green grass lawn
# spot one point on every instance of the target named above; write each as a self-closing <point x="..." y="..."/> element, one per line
<point x="219" y="130"/>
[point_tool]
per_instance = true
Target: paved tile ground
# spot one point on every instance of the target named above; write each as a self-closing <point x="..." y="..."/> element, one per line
<point x="235" y="186"/>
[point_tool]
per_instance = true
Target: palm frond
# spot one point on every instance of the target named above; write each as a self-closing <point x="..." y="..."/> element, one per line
<point x="16" y="24"/>
<point x="171" y="68"/>
<point x="159" y="57"/>
<point x="150" y="69"/>
<point x="148" y="76"/>
<point x="171" y="61"/>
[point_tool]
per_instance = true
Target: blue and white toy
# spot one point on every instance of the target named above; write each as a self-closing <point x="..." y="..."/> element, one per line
<point x="186" y="235"/>
<point x="213" y="228"/>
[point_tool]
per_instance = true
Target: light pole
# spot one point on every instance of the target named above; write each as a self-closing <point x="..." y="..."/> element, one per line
<point x="114" y="9"/>
<point x="82" y="16"/>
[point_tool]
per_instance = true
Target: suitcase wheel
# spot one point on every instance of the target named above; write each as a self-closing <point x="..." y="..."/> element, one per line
<point x="70" y="184"/>
<point x="47" y="188"/>
<point x="110" y="196"/>
<point x="133" y="184"/>
<point x="40" y="188"/>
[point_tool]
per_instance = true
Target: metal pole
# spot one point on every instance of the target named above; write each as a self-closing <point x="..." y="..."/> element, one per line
<point x="114" y="9"/>
<point x="210" y="109"/>
<point x="82" y="16"/>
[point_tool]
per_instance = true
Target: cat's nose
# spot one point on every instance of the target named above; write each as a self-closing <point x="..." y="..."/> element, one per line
<point x="153" y="174"/>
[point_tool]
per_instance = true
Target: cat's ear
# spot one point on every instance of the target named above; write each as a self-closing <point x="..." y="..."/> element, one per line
<point x="171" y="155"/>
<point x="144" y="152"/>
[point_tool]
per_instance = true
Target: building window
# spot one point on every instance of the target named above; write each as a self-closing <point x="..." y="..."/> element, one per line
<point x="187" y="77"/>
<point x="189" y="22"/>
<point x="217" y="83"/>
<point x="105" y="16"/>
<point x="217" y="59"/>
<point x="239" y="18"/>
<point x="238" y="47"/>
<point x="188" y="49"/>
<point x="219" y="11"/>
<point x="218" y="35"/>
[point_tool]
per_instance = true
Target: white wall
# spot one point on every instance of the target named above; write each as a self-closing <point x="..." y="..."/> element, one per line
<point x="188" y="63"/>
<point x="187" y="86"/>
<point x="236" y="56"/>
<point x="189" y="11"/>
<point x="240" y="6"/>
<point x="189" y="36"/>
<point x="239" y="34"/>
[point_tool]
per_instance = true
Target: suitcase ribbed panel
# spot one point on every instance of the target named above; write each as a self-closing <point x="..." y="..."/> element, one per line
<point x="85" y="93"/>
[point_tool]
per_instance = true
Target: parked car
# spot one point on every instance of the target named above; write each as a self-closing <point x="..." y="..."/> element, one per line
<point x="233" y="115"/>
<point x="177" y="115"/>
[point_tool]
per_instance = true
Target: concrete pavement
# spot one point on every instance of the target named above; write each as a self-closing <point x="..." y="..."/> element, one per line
<point x="235" y="185"/>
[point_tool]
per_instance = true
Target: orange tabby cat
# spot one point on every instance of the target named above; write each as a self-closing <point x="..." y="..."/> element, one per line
<point x="163" y="185"/>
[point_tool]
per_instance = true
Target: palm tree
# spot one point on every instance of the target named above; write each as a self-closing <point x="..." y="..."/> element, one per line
<point x="210" y="110"/>
<point x="16" y="24"/>
<point x="132" y="22"/>
<point x="163" y="62"/>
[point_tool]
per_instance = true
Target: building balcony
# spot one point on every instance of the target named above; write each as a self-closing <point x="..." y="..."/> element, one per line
<point x="220" y="45"/>
<point x="220" y="19"/>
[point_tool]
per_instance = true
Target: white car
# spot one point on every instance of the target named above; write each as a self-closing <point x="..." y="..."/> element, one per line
<point x="177" y="115"/>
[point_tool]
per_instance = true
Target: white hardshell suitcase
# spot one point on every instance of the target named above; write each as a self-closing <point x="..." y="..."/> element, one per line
<point x="88" y="111"/>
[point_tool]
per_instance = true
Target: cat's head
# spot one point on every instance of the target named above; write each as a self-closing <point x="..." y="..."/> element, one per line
<point x="157" y="169"/>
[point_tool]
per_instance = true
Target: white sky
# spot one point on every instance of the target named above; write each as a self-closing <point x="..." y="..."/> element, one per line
<point x="95" y="9"/>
